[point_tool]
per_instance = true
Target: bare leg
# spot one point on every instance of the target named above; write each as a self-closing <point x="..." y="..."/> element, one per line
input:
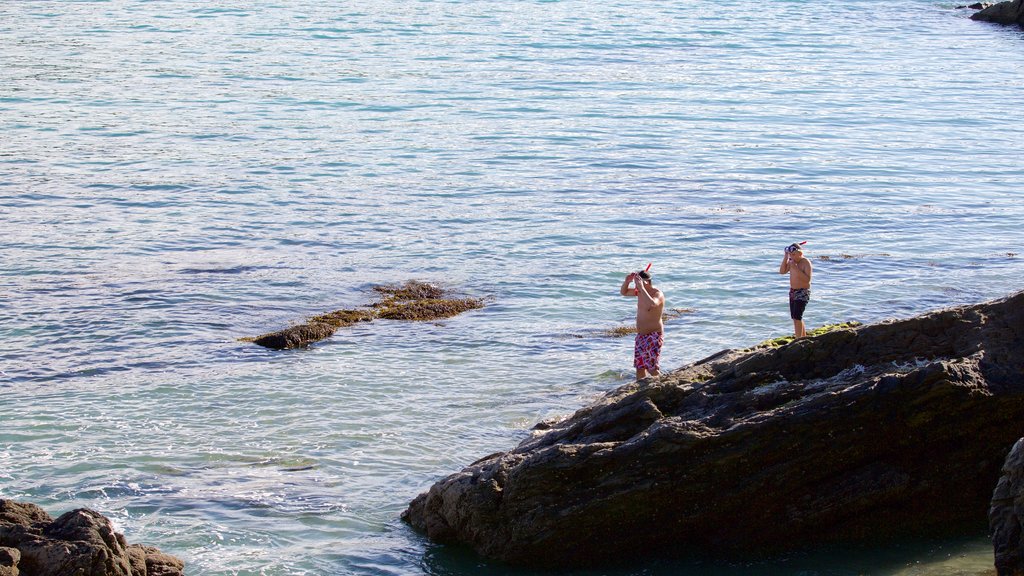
<point x="641" y="373"/>
<point x="799" y="330"/>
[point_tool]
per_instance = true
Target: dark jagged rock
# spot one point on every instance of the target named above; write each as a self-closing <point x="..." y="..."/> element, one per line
<point x="1006" y="516"/>
<point x="79" y="543"/>
<point x="1011" y="12"/>
<point x="862" y="434"/>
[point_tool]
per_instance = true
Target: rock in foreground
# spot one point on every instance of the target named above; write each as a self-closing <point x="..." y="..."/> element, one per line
<point x="884" y="431"/>
<point x="1006" y="516"/>
<point x="79" y="543"/>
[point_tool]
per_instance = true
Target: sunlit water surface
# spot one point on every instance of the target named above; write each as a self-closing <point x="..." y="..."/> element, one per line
<point x="176" y="175"/>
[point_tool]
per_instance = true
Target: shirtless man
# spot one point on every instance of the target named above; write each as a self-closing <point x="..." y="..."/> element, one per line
<point x="799" y="270"/>
<point x="650" y="330"/>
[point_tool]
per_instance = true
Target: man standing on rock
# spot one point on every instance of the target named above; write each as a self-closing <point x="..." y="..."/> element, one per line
<point x="650" y="329"/>
<point x="799" y="270"/>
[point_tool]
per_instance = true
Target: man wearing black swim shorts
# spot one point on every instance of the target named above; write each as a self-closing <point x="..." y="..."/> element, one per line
<point x="800" y="271"/>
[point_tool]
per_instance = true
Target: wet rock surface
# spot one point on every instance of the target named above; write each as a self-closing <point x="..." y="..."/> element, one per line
<point x="1006" y="515"/>
<point x="79" y="543"/>
<point x="861" y="434"/>
<point x="1011" y="12"/>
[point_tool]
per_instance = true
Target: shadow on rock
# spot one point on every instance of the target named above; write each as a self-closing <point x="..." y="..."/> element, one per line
<point x="860" y="435"/>
<point x="1006" y="515"/>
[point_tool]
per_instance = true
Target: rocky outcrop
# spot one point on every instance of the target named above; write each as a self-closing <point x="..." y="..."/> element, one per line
<point x="9" y="558"/>
<point x="1011" y="12"/>
<point x="413" y="300"/>
<point x="79" y="543"/>
<point x="1006" y="516"/>
<point x="869" y="433"/>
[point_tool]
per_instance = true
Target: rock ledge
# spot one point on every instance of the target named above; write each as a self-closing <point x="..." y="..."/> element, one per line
<point x="865" y="434"/>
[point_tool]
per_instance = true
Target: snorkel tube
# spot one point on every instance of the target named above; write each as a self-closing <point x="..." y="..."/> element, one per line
<point x="636" y="291"/>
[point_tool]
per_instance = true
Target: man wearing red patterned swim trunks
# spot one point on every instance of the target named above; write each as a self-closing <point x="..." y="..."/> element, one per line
<point x="650" y="329"/>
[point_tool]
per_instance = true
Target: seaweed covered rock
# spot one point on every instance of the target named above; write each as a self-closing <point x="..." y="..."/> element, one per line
<point x="860" y="434"/>
<point x="431" y="309"/>
<point x="413" y="300"/>
<point x="296" y="336"/>
<point x="411" y="290"/>
<point x="81" y="543"/>
<point x="783" y="340"/>
<point x="1006" y="515"/>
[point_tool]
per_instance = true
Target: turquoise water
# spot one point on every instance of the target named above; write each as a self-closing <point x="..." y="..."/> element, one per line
<point x="174" y="176"/>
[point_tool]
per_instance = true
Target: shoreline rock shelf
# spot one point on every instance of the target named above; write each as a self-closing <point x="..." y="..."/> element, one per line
<point x="410" y="301"/>
<point x="862" y="434"/>
<point x="81" y="542"/>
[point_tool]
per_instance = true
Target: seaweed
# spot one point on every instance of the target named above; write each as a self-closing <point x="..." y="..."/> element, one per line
<point x="296" y="336"/>
<point x="835" y="258"/>
<point x="620" y="331"/>
<point x="341" y="318"/>
<point x="429" y="309"/>
<point x="626" y="330"/>
<point x="411" y="290"/>
<point x="783" y="340"/>
<point x="413" y="300"/>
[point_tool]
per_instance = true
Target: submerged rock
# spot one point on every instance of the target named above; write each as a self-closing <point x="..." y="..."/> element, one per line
<point x="413" y="300"/>
<point x="1011" y="12"/>
<point x="80" y="543"/>
<point x="860" y="434"/>
<point x="630" y="329"/>
<point x="1006" y="515"/>
<point x="296" y="336"/>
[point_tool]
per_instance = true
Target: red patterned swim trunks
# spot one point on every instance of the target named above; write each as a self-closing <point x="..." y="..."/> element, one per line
<point x="647" y="351"/>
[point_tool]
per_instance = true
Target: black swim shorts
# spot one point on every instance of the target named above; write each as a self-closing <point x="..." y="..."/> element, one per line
<point x="798" y="299"/>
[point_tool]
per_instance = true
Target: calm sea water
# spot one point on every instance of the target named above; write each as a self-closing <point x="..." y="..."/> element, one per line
<point x="175" y="175"/>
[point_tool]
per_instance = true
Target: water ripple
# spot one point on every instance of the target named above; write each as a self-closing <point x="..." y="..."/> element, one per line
<point x="176" y="176"/>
